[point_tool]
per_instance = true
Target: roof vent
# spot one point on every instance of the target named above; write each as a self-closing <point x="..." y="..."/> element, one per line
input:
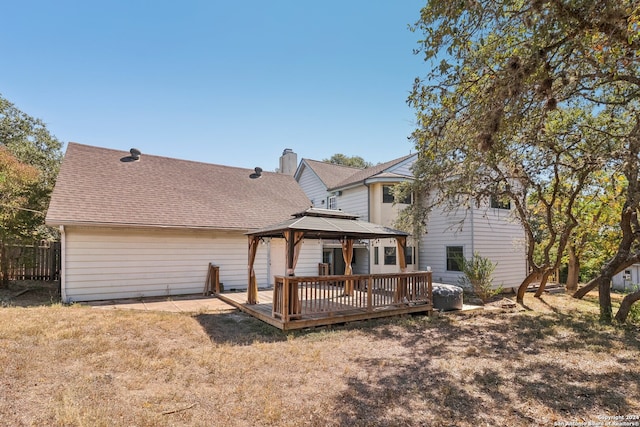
<point x="134" y="156"/>
<point x="135" y="153"/>
<point x="257" y="173"/>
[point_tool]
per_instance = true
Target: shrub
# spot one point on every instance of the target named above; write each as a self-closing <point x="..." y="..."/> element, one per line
<point x="477" y="277"/>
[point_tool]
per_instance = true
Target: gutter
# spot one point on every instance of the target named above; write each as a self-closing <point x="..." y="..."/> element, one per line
<point x="127" y="225"/>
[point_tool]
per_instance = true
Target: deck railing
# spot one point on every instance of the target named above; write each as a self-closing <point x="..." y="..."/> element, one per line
<point x="328" y="295"/>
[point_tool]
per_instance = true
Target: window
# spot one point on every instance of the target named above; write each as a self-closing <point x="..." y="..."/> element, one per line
<point x="387" y="196"/>
<point x="500" y="203"/>
<point x="331" y="203"/>
<point x="389" y="255"/>
<point x="454" y="255"/>
<point x="408" y="255"/>
<point x="376" y="255"/>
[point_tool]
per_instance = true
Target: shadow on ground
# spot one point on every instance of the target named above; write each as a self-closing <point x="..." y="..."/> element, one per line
<point x="238" y="328"/>
<point x="505" y="367"/>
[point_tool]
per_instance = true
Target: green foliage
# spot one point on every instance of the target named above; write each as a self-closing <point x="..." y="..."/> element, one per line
<point x="478" y="272"/>
<point x="634" y="314"/>
<point x="537" y="102"/>
<point x="352" y="161"/>
<point x="29" y="162"/>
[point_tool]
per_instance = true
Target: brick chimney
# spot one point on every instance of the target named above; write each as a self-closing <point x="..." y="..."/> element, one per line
<point x="288" y="162"/>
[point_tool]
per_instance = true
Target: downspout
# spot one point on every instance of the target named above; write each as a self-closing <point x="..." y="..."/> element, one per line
<point x="473" y="234"/>
<point x="63" y="264"/>
<point x="366" y="184"/>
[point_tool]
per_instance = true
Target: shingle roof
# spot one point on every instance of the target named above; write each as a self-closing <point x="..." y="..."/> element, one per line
<point x="95" y="187"/>
<point x="331" y="174"/>
<point x="364" y="174"/>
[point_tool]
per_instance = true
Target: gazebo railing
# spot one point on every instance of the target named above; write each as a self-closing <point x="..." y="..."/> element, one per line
<point x="295" y="297"/>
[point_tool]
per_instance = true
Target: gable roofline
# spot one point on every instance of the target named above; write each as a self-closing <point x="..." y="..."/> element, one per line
<point x="328" y="173"/>
<point x="368" y="175"/>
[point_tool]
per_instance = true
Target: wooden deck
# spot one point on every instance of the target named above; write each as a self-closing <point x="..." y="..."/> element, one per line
<point x="319" y="301"/>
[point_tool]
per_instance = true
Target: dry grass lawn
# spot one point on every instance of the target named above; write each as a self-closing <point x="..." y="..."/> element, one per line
<point x="550" y="363"/>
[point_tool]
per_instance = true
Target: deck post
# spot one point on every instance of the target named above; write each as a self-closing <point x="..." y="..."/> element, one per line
<point x="370" y="294"/>
<point x="285" y="299"/>
<point x="430" y="291"/>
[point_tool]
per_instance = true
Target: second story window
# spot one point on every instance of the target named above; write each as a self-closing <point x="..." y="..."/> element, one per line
<point x="332" y="203"/>
<point x="497" y="203"/>
<point x="387" y="196"/>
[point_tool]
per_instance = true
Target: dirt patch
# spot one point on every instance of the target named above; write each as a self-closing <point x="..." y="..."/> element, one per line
<point x="29" y="293"/>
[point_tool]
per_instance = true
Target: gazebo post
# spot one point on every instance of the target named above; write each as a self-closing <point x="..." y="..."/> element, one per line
<point x="347" y="255"/>
<point x="252" y="288"/>
<point x="291" y="250"/>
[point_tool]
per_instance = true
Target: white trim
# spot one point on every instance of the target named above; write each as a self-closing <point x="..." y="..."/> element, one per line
<point x="63" y="261"/>
<point x="156" y="226"/>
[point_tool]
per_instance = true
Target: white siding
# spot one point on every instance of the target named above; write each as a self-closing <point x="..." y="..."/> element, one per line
<point x="102" y="263"/>
<point x="492" y="233"/>
<point x="500" y="238"/>
<point x="404" y="168"/>
<point x="355" y="201"/>
<point x="128" y="263"/>
<point x="627" y="283"/>
<point x="313" y="188"/>
<point x="444" y="229"/>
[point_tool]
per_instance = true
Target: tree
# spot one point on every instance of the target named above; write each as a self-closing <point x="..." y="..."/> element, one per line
<point x="527" y="101"/>
<point x="16" y="180"/>
<point x="594" y="241"/>
<point x="352" y="161"/>
<point x="29" y="161"/>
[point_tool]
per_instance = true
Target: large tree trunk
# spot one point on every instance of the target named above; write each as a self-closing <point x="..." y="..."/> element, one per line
<point x="603" y="283"/>
<point x="604" y="297"/>
<point x="543" y="283"/>
<point x="573" y="275"/>
<point x="625" y="306"/>
<point x="580" y="293"/>
<point x="532" y="277"/>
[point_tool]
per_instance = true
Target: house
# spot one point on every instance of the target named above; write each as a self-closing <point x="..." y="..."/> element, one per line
<point x="627" y="280"/>
<point x="366" y="193"/>
<point x="488" y="229"/>
<point x="136" y="225"/>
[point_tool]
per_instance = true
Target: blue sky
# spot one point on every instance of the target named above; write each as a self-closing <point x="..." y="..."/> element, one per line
<point x="226" y="82"/>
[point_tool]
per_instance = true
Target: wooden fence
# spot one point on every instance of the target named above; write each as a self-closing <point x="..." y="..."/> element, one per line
<point x="37" y="261"/>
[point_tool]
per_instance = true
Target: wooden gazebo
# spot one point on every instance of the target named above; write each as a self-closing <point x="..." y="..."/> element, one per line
<point x="301" y="301"/>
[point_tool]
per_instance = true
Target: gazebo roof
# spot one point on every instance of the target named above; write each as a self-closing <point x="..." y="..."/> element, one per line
<point x="328" y="224"/>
